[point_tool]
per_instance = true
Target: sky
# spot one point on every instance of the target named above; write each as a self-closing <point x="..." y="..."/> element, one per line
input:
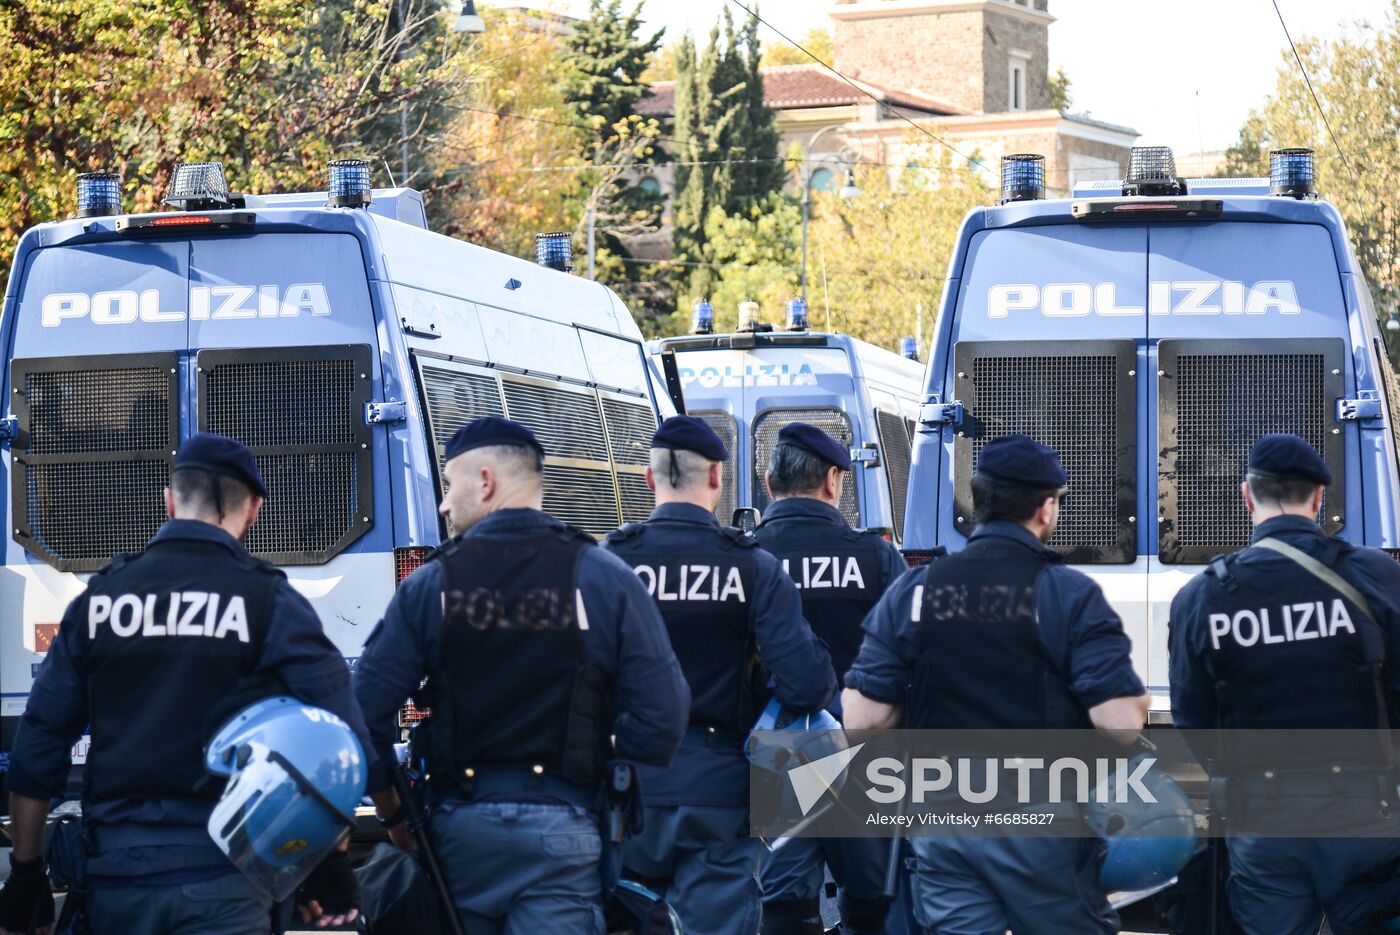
<point x="1214" y="59"/>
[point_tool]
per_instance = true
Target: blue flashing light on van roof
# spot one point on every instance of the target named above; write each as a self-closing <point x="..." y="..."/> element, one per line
<point x="909" y="348"/>
<point x="703" y="321"/>
<point x="349" y="183"/>
<point x="1022" y="177"/>
<point x="99" y="194"/>
<point x="555" y="250"/>
<point x="1291" y="173"/>
<point x="797" y="314"/>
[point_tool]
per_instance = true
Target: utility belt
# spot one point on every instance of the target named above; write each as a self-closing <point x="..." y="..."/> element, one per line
<point x="713" y="737"/>
<point x="521" y="784"/>
<point x="1336" y="782"/>
<point x="102" y="838"/>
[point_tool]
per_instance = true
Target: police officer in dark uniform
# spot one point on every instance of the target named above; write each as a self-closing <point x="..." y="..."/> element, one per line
<point x="538" y="647"/>
<point x="157" y="652"/>
<point x="730" y="610"/>
<point x="841" y="573"/>
<point x="945" y="650"/>
<point x="1298" y="630"/>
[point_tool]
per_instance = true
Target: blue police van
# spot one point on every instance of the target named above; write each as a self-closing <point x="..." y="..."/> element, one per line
<point x="1151" y="329"/>
<point x="750" y="384"/>
<point x="334" y="334"/>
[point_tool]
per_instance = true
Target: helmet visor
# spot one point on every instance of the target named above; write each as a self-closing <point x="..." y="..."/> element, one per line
<point x="273" y="825"/>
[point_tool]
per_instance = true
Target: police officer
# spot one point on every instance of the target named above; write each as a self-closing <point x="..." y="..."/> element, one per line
<point x="537" y="647"/>
<point x="841" y="573"/>
<point x="157" y="652"/>
<point x="728" y="607"/>
<point x="946" y="649"/>
<point x="1297" y="630"/>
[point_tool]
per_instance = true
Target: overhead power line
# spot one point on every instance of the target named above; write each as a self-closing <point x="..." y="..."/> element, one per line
<point x="799" y="47"/>
<point x="1308" y="81"/>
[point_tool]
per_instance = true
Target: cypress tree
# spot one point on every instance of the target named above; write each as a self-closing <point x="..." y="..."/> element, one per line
<point x="607" y="55"/>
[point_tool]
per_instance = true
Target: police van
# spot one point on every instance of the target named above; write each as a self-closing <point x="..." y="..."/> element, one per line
<point x="1151" y="329"/>
<point x="750" y="384"/>
<point x="331" y="332"/>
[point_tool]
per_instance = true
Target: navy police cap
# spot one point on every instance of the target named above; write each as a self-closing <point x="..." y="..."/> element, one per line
<point x="687" y="433"/>
<point x="491" y="430"/>
<point x="1288" y="457"/>
<point x="1022" y="460"/>
<point x="220" y="454"/>
<point x="810" y="438"/>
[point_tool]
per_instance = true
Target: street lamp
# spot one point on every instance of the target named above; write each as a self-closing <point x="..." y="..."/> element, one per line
<point x="848" y="191"/>
<point x="468" y="21"/>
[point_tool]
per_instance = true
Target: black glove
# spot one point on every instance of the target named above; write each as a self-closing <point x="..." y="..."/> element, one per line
<point x="26" y="902"/>
<point x="333" y="885"/>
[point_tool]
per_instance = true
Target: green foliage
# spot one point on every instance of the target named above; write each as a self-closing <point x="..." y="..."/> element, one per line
<point x="1357" y="79"/>
<point x="1059" y="83"/>
<point x="605" y="61"/>
<point x="757" y="256"/>
<point x="272" y="88"/>
<point x="818" y="41"/>
<point x="726" y="141"/>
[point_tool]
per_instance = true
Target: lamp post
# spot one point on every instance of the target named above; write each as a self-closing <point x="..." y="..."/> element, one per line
<point x="849" y="190"/>
<point x="467" y="22"/>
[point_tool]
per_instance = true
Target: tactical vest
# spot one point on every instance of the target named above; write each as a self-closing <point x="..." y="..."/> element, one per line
<point x="837" y="570"/>
<point x="171" y="639"/>
<point x="981" y="663"/>
<point x="1288" y="651"/>
<point x="512" y="688"/>
<point x="703" y="583"/>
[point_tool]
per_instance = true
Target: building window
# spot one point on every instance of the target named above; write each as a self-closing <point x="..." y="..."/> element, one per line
<point x="822" y="180"/>
<point x="1016" y="78"/>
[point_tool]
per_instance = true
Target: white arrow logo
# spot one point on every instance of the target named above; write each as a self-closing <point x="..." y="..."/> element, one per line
<point x="811" y="780"/>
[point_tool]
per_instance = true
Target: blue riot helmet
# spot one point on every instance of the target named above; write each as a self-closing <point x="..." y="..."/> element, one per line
<point x="1148" y="842"/>
<point x="295" y="774"/>
<point x="820" y="735"/>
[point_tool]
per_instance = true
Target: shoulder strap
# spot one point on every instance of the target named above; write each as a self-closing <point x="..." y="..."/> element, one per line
<point x="1321" y="572"/>
<point x="1375" y="647"/>
<point x="626" y="532"/>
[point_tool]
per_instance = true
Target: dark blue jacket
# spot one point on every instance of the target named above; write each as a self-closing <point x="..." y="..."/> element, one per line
<point x="297" y="651"/>
<point x="800" y="665"/>
<point x="1083" y="637"/>
<point x="625" y="639"/>
<point x="1193" y="684"/>
<point x="892" y="564"/>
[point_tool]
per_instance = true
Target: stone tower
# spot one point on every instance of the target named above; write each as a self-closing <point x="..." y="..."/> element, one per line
<point x="985" y="56"/>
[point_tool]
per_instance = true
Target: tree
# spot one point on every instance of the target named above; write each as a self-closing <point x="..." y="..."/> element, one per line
<point x="606" y="59"/>
<point x="1357" y="79"/>
<point x="271" y="88"/>
<point x="1060" y="98"/>
<point x="726" y="141"/>
<point x="879" y="260"/>
<point x="756" y="255"/>
<point x="818" y="41"/>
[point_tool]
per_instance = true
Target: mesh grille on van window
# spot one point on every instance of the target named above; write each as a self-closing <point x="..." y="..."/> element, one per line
<point x="723" y="425"/>
<point x="1079" y="398"/>
<point x="302" y="411"/>
<point x="97" y="435"/>
<point x="566" y="422"/>
<point x="894" y="452"/>
<point x="1216" y="399"/>
<point x="765" y="436"/>
<point x="630" y="428"/>
<point x="637" y="498"/>
<point x="454" y="399"/>
<point x="581" y="497"/>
